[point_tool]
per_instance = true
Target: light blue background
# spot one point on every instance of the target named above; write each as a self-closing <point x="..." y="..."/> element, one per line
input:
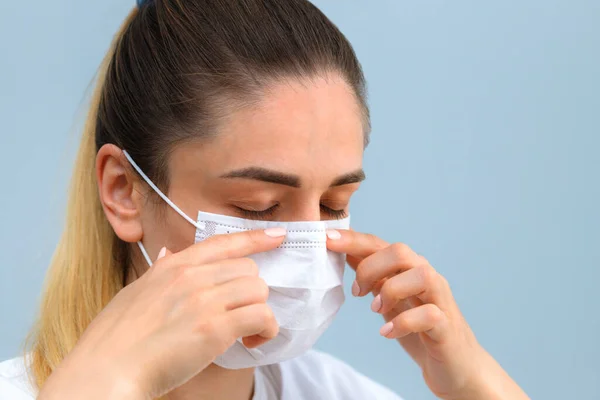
<point x="484" y="158"/>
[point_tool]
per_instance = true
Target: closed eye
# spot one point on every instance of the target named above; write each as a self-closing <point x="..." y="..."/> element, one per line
<point x="336" y="214"/>
<point x="261" y="214"/>
<point x="269" y="212"/>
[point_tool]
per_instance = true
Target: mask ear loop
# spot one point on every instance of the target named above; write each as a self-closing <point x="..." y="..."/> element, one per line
<point x="163" y="196"/>
<point x="145" y="253"/>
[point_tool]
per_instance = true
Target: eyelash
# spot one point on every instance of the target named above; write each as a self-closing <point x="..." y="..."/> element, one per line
<point x="264" y="214"/>
<point x="337" y="214"/>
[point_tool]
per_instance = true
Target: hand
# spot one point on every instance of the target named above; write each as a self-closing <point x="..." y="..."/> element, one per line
<point x="172" y="322"/>
<point x="421" y="313"/>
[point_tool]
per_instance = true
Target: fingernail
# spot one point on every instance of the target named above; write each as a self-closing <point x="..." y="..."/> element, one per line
<point x="386" y="329"/>
<point x="333" y="234"/>
<point x="161" y="253"/>
<point x="276" y="232"/>
<point x="355" y="289"/>
<point x="376" y="304"/>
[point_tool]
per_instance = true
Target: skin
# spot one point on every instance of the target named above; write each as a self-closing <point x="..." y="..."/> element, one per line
<point x="310" y="131"/>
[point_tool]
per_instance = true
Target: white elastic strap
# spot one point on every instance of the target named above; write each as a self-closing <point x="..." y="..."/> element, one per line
<point x="163" y="196"/>
<point x="145" y="253"/>
<point x="157" y="190"/>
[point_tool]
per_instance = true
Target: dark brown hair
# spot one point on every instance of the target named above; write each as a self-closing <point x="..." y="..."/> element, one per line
<point x="181" y="64"/>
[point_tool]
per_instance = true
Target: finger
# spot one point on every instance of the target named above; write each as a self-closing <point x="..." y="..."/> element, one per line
<point x="240" y="292"/>
<point x="191" y="280"/>
<point x="224" y="271"/>
<point x="427" y="319"/>
<point x="389" y="261"/>
<point x="234" y="245"/>
<point x="353" y="261"/>
<point x="421" y="281"/>
<point x="252" y="320"/>
<point x="354" y="244"/>
<point x="254" y="341"/>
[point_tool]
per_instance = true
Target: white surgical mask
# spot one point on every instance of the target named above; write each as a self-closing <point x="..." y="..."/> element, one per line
<point x="305" y="281"/>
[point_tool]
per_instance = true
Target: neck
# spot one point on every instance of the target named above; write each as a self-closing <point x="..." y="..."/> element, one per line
<point x="216" y="383"/>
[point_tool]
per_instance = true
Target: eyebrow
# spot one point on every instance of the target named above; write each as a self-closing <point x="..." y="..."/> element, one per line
<point x="280" y="178"/>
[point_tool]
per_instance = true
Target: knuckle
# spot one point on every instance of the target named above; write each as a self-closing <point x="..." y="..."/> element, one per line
<point x="427" y="275"/>
<point x="208" y="328"/>
<point x="216" y="332"/>
<point x="254" y="237"/>
<point x="388" y="290"/>
<point x="371" y="238"/>
<point x="265" y="314"/>
<point x="443" y="281"/>
<point x="262" y="289"/>
<point x="402" y="324"/>
<point x="433" y="313"/>
<point x="400" y="251"/>
<point x="251" y="266"/>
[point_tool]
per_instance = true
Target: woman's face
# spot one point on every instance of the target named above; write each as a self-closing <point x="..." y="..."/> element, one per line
<point x="297" y="155"/>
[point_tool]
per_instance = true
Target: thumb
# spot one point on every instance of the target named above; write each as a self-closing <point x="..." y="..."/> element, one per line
<point x="163" y="253"/>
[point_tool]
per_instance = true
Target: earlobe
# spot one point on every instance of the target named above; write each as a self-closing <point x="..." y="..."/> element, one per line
<point x="116" y="188"/>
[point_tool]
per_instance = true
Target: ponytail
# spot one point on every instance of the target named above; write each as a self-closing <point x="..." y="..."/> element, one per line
<point x="84" y="274"/>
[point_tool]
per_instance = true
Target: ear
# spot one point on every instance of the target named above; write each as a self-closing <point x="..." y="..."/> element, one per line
<point x="116" y="187"/>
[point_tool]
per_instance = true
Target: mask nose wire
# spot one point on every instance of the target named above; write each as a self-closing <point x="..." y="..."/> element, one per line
<point x="163" y="196"/>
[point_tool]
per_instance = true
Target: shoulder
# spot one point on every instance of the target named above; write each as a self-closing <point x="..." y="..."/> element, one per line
<point x="14" y="381"/>
<point x="319" y="375"/>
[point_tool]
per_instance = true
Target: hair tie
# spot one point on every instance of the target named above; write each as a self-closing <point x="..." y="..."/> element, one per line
<point x="141" y="3"/>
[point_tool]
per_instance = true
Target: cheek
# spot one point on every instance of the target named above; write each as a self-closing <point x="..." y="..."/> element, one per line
<point x="165" y="228"/>
<point x="178" y="232"/>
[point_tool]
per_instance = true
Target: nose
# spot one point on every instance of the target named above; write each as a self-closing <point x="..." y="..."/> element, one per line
<point x="310" y="214"/>
<point x="304" y="210"/>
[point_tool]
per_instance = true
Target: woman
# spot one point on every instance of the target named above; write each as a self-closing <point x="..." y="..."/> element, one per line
<point x="213" y="123"/>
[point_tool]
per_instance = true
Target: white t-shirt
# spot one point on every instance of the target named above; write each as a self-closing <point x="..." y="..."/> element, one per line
<point x="314" y="375"/>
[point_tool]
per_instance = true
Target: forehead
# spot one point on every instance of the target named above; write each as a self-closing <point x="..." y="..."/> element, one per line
<point x="313" y="128"/>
